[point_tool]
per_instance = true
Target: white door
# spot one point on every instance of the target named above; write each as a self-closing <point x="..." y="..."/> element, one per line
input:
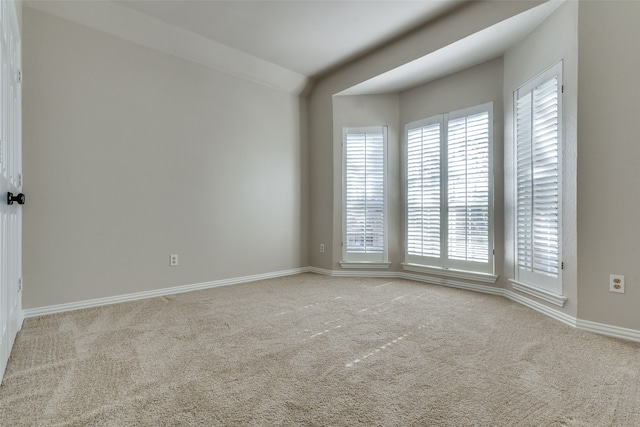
<point x="10" y="181"/>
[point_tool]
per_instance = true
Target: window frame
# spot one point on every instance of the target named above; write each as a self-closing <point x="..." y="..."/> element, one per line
<point x="524" y="277"/>
<point x="443" y="264"/>
<point x="375" y="259"/>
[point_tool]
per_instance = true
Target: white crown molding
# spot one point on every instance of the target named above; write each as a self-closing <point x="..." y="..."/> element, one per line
<point x="136" y="27"/>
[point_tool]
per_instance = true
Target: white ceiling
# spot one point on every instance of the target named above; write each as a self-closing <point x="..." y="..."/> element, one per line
<point x="284" y="44"/>
<point x="475" y="49"/>
<point x="305" y="36"/>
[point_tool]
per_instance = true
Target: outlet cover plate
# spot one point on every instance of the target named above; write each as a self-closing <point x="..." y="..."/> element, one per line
<point x="173" y="260"/>
<point x="616" y="283"/>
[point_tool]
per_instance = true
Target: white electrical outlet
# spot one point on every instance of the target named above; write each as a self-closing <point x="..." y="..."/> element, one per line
<point x="173" y="260"/>
<point x="616" y="283"/>
<point x="321" y="247"/>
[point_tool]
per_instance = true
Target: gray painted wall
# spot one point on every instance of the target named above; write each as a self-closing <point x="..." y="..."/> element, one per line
<point x="131" y="155"/>
<point x="149" y="147"/>
<point x="608" y="158"/>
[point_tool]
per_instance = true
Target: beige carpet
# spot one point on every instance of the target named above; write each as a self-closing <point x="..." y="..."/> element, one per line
<point x="318" y="351"/>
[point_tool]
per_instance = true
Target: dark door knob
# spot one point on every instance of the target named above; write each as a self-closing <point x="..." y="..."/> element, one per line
<point x="17" y="198"/>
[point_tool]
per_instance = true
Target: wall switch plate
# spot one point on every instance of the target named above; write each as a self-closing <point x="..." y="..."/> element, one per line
<point x="616" y="283"/>
<point x="173" y="260"/>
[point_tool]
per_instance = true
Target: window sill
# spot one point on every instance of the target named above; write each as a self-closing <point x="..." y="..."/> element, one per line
<point x="364" y="264"/>
<point x="542" y="294"/>
<point x="458" y="274"/>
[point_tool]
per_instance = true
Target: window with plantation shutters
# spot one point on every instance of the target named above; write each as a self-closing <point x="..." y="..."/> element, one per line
<point x="365" y="237"/>
<point x="468" y="187"/>
<point x="449" y="193"/>
<point x="424" y="189"/>
<point x="538" y="221"/>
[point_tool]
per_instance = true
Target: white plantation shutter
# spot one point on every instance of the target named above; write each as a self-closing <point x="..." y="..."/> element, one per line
<point x="450" y="190"/>
<point x="468" y="188"/>
<point x="538" y="220"/>
<point x="423" y="190"/>
<point x="365" y="198"/>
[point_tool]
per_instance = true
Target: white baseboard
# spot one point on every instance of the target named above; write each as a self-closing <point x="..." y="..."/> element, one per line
<point x="586" y="325"/>
<point x="598" y="328"/>
<point x="321" y="271"/>
<point x="434" y="280"/>
<point x="612" y="331"/>
<point x="541" y="308"/>
<point x="41" y="311"/>
<point x="352" y="273"/>
<point x="547" y="296"/>
<point x="364" y="273"/>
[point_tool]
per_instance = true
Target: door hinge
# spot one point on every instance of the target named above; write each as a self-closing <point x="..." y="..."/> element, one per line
<point x="562" y="266"/>
<point x="562" y="89"/>
<point x="19" y="76"/>
<point x="19" y="284"/>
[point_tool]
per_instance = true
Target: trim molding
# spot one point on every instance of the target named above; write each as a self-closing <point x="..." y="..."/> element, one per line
<point x="547" y="296"/>
<point x="59" y="308"/>
<point x="318" y="270"/>
<point x="458" y="274"/>
<point x="418" y="278"/>
<point x="612" y="331"/>
<point x="586" y="325"/>
<point x="364" y="264"/>
<point x="541" y="308"/>
<point x="452" y="283"/>
<point x="364" y="273"/>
